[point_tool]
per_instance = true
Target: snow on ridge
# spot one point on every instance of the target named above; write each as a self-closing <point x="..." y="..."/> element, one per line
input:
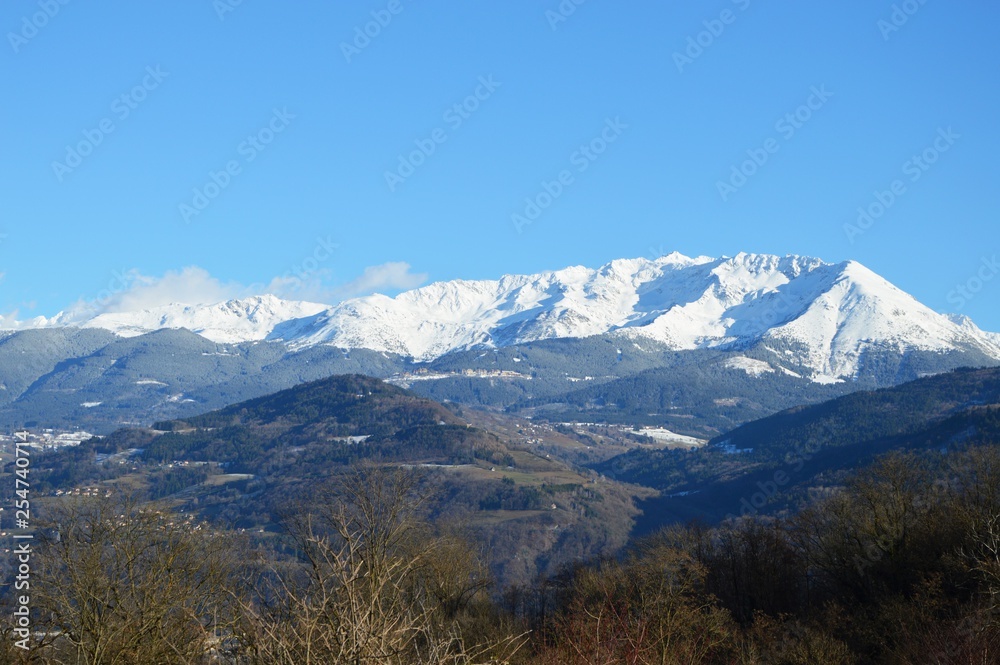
<point x="233" y="321"/>
<point x="751" y="366"/>
<point x="862" y="311"/>
<point x="830" y="314"/>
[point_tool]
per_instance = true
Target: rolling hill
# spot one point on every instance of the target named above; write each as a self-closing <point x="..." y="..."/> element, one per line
<point x="245" y="465"/>
<point x="777" y="463"/>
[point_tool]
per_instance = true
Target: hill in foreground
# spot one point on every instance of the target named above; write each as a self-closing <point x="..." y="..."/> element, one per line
<point x="246" y="465"/>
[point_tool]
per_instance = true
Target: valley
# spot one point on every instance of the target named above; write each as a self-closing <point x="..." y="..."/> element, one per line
<point x="546" y="442"/>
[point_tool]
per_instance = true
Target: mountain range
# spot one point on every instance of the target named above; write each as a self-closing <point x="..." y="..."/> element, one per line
<point x="763" y="331"/>
<point x="832" y="314"/>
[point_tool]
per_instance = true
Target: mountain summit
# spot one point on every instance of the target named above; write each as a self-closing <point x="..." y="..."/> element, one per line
<point x="231" y="322"/>
<point x="826" y="317"/>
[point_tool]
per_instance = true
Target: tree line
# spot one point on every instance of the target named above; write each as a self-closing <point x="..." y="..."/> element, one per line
<point x="900" y="564"/>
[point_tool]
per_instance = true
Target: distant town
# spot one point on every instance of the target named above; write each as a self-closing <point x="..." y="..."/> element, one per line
<point x="44" y="439"/>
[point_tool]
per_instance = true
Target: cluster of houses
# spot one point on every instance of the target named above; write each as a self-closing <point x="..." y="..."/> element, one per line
<point x="44" y="439"/>
<point x="84" y="491"/>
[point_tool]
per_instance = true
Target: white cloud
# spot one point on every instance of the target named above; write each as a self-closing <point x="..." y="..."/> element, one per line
<point x="188" y="286"/>
<point x="11" y="321"/>
<point x="195" y="286"/>
<point x="129" y="291"/>
<point x="310" y="287"/>
<point x="314" y="286"/>
<point x="388" y="277"/>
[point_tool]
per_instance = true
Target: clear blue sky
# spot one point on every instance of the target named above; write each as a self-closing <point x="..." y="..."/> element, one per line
<point x="65" y="233"/>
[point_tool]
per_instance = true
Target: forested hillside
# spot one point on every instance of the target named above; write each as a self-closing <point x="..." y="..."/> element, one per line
<point x="242" y="466"/>
<point x="776" y="463"/>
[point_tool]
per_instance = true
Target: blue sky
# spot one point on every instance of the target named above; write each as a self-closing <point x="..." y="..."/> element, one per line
<point x="671" y="100"/>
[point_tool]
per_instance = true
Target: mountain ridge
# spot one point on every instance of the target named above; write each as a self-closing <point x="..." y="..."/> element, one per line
<point x="827" y="315"/>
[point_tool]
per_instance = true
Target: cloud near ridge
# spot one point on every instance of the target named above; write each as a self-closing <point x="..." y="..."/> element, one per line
<point x="388" y="276"/>
<point x="130" y="291"/>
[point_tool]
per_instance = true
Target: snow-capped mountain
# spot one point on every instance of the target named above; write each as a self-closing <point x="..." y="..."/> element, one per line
<point x="825" y="317"/>
<point x="243" y="320"/>
<point x="831" y="314"/>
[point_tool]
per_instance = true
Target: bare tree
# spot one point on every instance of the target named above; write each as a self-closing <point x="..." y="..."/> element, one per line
<point x="650" y="609"/>
<point x="120" y="584"/>
<point x="366" y="589"/>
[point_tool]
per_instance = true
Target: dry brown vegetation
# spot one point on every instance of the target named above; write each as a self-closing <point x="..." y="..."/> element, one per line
<point x="899" y="566"/>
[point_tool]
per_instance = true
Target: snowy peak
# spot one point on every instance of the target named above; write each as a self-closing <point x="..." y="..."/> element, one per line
<point x="247" y="319"/>
<point x="827" y="316"/>
<point x="832" y="313"/>
<point x="858" y="311"/>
